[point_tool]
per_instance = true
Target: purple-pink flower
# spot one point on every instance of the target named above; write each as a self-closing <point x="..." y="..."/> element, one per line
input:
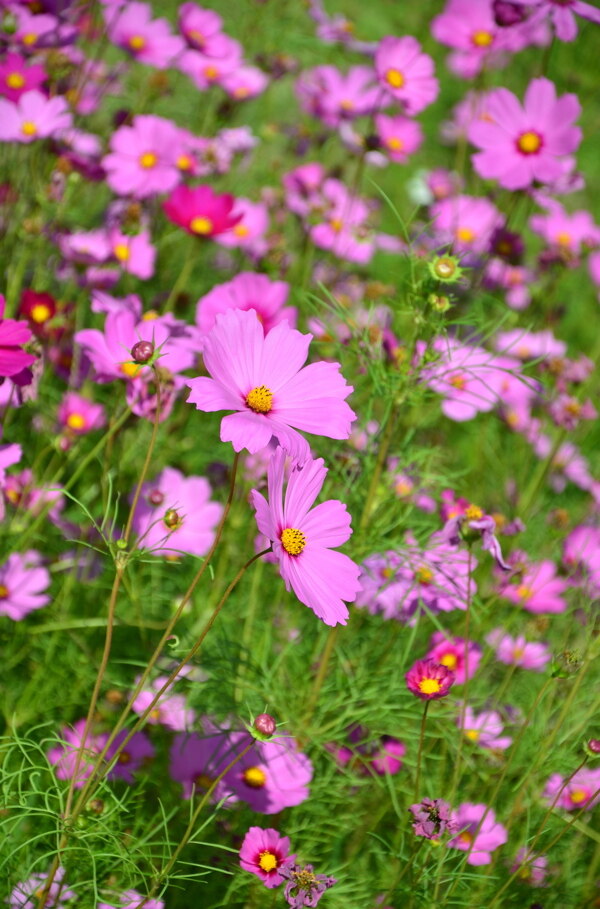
<point x="272" y="776"/>
<point x="429" y="680"/>
<point x="304" y="538"/>
<point x="26" y="893"/>
<point x="263" y="380"/>
<point x="518" y="651"/>
<point x="539" y="589"/>
<point x="263" y="853"/>
<point x="581" y="791"/>
<point x="479" y="832"/>
<point x="432" y="818"/>
<point x="523" y="145"/>
<point x="484" y="729"/>
<point x="406" y="72"/>
<point x="23" y="584"/>
<point x="247" y="290"/>
<point x="148" y="40"/>
<point x="455" y="653"/>
<point x="33" y="116"/>
<point x="143" y="160"/>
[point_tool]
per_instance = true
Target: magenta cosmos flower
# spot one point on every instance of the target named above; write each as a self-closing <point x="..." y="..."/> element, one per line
<point x="521" y="145"/>
<point x="176" y="515"/>
<point x="200" y="211"/>
<point x="130" y="899"/>
<point x="26" y="894"/>
<point x="452" y="653"/>
<point x="170" y="711"/>
<point x="399" y="136"/>
<point x="477" y="838"/>
<point x="263" y="380"/>
<point x="78" y="415"/>
<point x="23" y="584"/>
<point x="581" y="791"/>
<point x="32" y="117"/>
<point x="303" y="537"/>
<point x="13" y="335"/>
<point x="272" y="776"/>
<point x="406" y="72"/>
<point x="539" y="590"/>
<point x="16" y="77"/>
<point x="263" y="853"/>
<point x="429" y="680"/>
<point x="484" y="729"/>
<point x="148" y="40"/>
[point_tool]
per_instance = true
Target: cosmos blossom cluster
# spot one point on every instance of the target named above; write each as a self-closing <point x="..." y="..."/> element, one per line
<point x="235" y="284"/>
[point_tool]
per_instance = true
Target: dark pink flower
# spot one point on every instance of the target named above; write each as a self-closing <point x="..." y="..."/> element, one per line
<point x="16" y="77"/>
<point x="429" y="680"/>
<point x="247" y="290"/>
<point x="148" y="40"/>
<point x="263" y="852"/>
<point x="13" y="335"/>
<point x="200" y="211"/>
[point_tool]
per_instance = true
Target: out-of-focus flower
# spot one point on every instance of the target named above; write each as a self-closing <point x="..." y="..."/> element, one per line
<point x="519" y="652"/>
<point x="200" y="211"/>
<point x="455" y="653"/>
<point x="531" y="868"/>
<point x="147" y="40"/>
<point x="483" y="729"/>
<point x="581" y="791"/>
<point x="538" y="589"/>
<point x="406" y="73"/>
<point x="23" y="584"/>
<point x="490" y="834"/>
<point x="26" y="894"/>
<point x="33" y="116"/>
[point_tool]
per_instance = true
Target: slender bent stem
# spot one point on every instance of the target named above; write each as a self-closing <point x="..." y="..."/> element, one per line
<point x="420" y="752"/>
<point x="313" y="698"/>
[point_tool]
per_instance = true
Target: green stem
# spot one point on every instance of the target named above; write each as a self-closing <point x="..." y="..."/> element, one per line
<point x="420" y="752"/>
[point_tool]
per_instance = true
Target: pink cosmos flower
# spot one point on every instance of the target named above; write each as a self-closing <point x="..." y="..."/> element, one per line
<point x="171" y="710"/>
<point x="429" y="680"/>
<point x="303" y="538"/>
<point x="249" y="232"/>
<point x="263" y="852"/>
<point x="562" y="14"/>
<point x="35" y="30"/>
<point x="13" y="335"/>
<point x="16" y="77"/>
<point x="452" y="653"/>
<point x="244" y="82"/>
<point x="134" y="252"/>
<point x="432" y="818"/>
<point x="406" y="73"/>
<point x="64" y="756"/>
<point x="78" y="415"/>
<point x="466" y="223"/>
<point x="33" y="116"/>
<point x="533" y="869"/>
<point x="527" y="345"/>
<point x="25" y="894"/>
<point x="143" y="157"/>
<point x="515" y="280"/>
<point x="581" y="554"/>
<point x="539" y="589"/>
<point x="201" y="28"/>
<point x="247" y="290"/>
<point x="176" y="515"/>
<point x="206" y="70"/>
<point x="519" y="652"/>
<point x="342" y="226"/>
<point x="148" y="40"/>
<point x="521" y="145"/>
<point x="23" y="584"/>
<point x="262" y="379"/>
<point x="387" y="757"/>
<point x="492" y="834"/>
<point x="130" y="899"/>
<point x="567" y="234"/>
<point x="138" y="751"/>
<point x="399" y="136"/>
<point x="272" y="776"/>
<point x="484" y="729"/>
<point x="196" y="761"/>
<point x="200" y="211"/>
<point x="335" y="97"/>
<point x="582" y="790"/>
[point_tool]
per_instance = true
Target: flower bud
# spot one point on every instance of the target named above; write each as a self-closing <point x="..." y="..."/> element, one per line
<point x="507" y="14"/>
<point x="172" y="519"/>
<point x="446" y="269"/>
<point x="156" y="497"/>
<point x="142" y="351"/>
<point x="265" y="724"/>
<point x="592" y="748"/>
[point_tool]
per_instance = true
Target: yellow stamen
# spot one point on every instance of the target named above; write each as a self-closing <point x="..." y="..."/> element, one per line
<point x="564" y="239"/>
<point x="394" y="78"/>
<point x="201" y="225"/>
<point x="424" y="575"/>
<point x="529" y="143"/>
<point x="394" y="143"/>
<point x="40" y="312"/>
<point x="267" y="861"/>
<point x="524" y="592"/>
<point x="76" y="421"/>
<point x="137" y="42"/>
<point x="15" y="80"/>
<point x="130" y="369"/>
<point x="472" y="734"/>
<point x="293" y="540"/>
<point x="260" y="399"/>
<point x="450" y="660"/>
<point x="458" y="382"/>
<point x="203" y="781"/>
<point x="473" y="513"/>
<point x="211" y="72"/>
<point x="240" y="230"/>
<point x="121" y="251"/>
<point x="150" y="315"/>
<point x="29" y="38"/>
<point x="184" y="162"/>
<point x="482" y="39"/>
<point x="3" y="592"/>
<point x="148" y="160"/>
<point x="430" y="686"/>
<point x="578" y="796"/>
<point x="28" y="128"/>
<point x="255" y="777"/>
<point x="465" y="234"/>
<point x="466" y="838"/>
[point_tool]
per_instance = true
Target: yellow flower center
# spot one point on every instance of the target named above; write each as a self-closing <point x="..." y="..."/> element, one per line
<point x="458" y="382"/>
<point x="450" y="660"/>
<point x="336" y="224"/>
<point x="473" y="513"/>
<point x="403" y="487"/>
<point x="148" y="160"/>
<point x="76" y="421"/>
<point x="293" y="541"/>
<point x="184" y="162"/>
<point x="40" y="312"/>
<point x="124" y="758"/>
<point x="267" y="861"/>
<point x="517" y="653"/>
<point x="394" y="143"/>
<point x="255" y="777"/>
<point x="394" y="78"/>
<point x="465" y="234"/>
<point x="578" y="796"/>
<point x="430" y="686"/>
<point x="564" y="239"/>
<point x="15" y="80"/>
<point x="121" y="251"/>
<point x="3" y="592"/>
<point x="260" y="399"/>
<point x="137" y="42"/>
<point x="424" y="575"/>
<point x="13" y="496"/>
<point x="130" y="369"/>
<point x="482" y="39"/>
<point x="28" y="128"/>
<point x="197" y="36"/>
<point x="29" y="38"/>
<point x="529" y="143"/>
<point x="211" y="72"/>
<point x="524" y="592"/>
<point x="201" y="225"/>
<point x="203" y="781"/>
<point x="466" y="838"/>
<point x="472" y="734"/>
<point x="150" y="315"/>
<point x="387" y="573"/>
<point x="241" y="92"/>
<point x="154" y="714"/>
<point x="240" y="230"/>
